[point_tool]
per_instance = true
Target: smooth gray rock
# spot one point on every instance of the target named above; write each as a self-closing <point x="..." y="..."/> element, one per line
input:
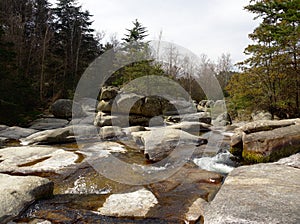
<point x="257" y="194"/>
<point x="16" y="132"/>
<point x="109" y="132"/>
<point x="191" y="126"/>
<point x="159" y="142"/>
<point x="121" y="120"/>
<point x="63" y="108"/>
<point x="222" y="120"/>
<point x="261" y="115"/>
<point x="132" y="204"/>
<point x="60" y="135"/>
<point x="3" y="127"/>
<point x="48" y="123"/>
<point x="293" y="161"/>
<point x="33" y="159"/>
<point x="87" y="120"/>
<point x="17" y="193"/>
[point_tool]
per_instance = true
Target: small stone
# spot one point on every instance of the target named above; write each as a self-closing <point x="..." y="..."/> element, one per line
<point x="196" y="210"/>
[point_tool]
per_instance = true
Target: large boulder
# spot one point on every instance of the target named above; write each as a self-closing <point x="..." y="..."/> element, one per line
<point x="108" y="93"/>
<point x="262" y="193"/>
<point x="203" y="117"/>
<point x="271" y="137"/>
<point x="122" y="120"/>
<point x="17" y="193"/>
<point x="223" y="119"/>
<point x="63" y="108"/>
<point x="270" y="146"/>
<point x="261" y="115"/>
<point x="160" y="142"/>
<point x="128" y="103"/>
<point x="147" y="106"/>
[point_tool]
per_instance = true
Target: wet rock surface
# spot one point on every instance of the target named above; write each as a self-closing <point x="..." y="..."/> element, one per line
<point x="82" y="194"/>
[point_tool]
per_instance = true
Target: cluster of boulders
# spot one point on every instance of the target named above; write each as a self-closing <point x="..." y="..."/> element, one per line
<point x="157" y="126"/>
<point x="266" y="140"/>
<point x="120" y="108"/>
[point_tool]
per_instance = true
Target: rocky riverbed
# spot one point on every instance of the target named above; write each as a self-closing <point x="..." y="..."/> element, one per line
<point x="188" y="167"/>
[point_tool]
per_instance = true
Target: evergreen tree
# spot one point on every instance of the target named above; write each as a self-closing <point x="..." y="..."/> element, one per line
<point x="274" y="57"/>
<point x="134" y="48"/>
<point x="137" y="33"/>
<point x="75" y="45"/>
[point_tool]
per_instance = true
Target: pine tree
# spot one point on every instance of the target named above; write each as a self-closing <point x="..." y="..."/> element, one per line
<point x="274" y="56"/>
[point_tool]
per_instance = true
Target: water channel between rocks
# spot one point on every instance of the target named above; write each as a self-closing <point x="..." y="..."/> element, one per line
<point x="80" y="192"/>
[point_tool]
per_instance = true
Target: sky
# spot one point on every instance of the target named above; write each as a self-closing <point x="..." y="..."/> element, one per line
<point x="210" y="27"/>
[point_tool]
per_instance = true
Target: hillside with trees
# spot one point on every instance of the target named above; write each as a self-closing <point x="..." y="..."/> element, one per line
<point x="44" y="50"/>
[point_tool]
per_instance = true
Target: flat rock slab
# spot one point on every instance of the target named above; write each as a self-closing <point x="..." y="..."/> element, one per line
<point x="48" y="123"/>
<point x="16" y="193"/>
<point x="258" y="194"/>
<point x="16" y="132"/>
<point x="32" y="159"/>
<point x="133" y="204"/>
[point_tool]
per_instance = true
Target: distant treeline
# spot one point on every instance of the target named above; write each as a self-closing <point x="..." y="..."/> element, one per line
<point x="44" y="50"/>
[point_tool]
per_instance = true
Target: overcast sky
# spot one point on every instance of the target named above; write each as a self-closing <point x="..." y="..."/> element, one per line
<point x="211" y="27"/>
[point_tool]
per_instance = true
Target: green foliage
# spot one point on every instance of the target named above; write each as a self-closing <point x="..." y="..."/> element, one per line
<point x="271" y="79"/>
<point x="135" y="50"/>
<point x="43" y="53"/>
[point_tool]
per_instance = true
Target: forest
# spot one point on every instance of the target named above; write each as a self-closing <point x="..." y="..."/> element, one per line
<point x="44" y="50"/>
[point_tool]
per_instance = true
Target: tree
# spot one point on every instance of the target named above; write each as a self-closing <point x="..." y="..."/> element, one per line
<point x="43" y="52"/>
<point x="136" y="34"/>
<point x="75" y="45"/>
<point x="134" y="48"/>
<point x="274" y="56"/>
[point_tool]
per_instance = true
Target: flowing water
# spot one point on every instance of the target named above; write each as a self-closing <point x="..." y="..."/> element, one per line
<point x="79" y="191"/>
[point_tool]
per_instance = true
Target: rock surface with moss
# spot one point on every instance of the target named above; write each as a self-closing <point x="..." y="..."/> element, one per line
<point x="266" y="141"/>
